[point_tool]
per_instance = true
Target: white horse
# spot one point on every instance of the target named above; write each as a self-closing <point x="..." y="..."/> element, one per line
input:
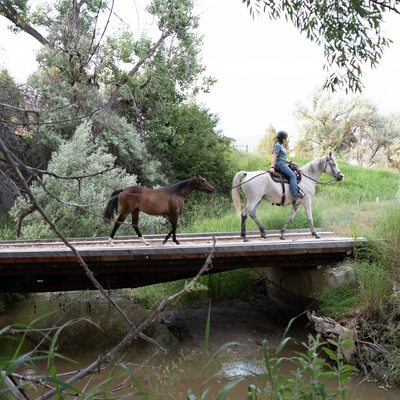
<point x="259" y="185"/>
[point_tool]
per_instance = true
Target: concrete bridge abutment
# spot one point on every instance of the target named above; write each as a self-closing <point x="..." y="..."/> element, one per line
<point x="295" y="288"/>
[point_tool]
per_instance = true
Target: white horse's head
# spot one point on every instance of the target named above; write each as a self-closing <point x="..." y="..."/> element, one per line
<point x="331" y="167"/>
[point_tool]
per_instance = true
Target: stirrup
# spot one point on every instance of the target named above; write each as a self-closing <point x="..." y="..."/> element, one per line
<point x="298" y="196"/>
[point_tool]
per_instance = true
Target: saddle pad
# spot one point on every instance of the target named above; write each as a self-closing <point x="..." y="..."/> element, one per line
<point x="285" y="178"/>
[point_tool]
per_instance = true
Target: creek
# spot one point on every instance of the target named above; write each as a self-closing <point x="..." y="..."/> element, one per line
<point x="171" y="374"/>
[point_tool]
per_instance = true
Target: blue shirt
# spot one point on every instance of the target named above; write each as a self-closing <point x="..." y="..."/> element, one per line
<point x="281" y="157"/>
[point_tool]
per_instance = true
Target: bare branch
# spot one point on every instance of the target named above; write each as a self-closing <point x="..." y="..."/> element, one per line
<point x="51" y="122"/>
<point x="24" y="110"/>
<point x="20" y="23"/>
<point x="44" y="172"/>
<point x="132" y="335"/>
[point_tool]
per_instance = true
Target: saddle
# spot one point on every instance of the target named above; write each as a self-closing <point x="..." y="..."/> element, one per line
<point x="277" y="176"/>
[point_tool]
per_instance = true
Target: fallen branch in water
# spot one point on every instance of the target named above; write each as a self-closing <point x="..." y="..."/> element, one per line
<point x="330" y="329"/>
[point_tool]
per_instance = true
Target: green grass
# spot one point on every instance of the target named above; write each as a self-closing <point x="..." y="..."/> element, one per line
<point x="333" y="205"/>
<point x="229" y="285"/>
<point x="376" y="269"/>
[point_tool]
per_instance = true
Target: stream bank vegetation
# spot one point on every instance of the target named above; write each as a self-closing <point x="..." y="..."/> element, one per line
<point x="117" y="379"/>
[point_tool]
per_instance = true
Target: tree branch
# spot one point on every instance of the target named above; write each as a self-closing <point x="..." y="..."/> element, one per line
<point x="134" y="70"/>
<point x="132" y="335"/>
<point x="20" y="23"/>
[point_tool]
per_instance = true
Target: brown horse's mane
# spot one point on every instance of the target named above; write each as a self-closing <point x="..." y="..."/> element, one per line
<point x="178" y="187"/>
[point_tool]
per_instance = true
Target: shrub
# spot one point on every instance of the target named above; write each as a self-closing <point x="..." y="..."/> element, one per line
<point x="79" y="156"/>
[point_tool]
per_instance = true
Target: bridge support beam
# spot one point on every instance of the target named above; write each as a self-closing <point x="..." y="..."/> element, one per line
<point x="294" y="289"/>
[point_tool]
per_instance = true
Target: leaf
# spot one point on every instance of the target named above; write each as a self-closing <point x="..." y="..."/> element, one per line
<point x="330" y="353"/>
<point x="224" y="392"/>
<point x="190" y="395"/>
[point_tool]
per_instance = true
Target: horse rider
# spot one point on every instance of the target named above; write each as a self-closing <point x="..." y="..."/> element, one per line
<point x="279" y="160"/>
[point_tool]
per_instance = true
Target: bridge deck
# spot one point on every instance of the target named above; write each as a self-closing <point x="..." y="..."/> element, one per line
<point x="48" y="265"/>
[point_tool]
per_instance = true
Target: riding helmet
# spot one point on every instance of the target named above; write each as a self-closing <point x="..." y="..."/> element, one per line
<point x="281" y="135"/>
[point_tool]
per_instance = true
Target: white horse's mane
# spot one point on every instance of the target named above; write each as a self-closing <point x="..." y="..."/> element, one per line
<point x="313" y="167"/>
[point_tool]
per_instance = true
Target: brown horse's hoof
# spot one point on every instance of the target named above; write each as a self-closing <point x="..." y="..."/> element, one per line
<point x="263" y="235"/>
<point x="282" y="237"/>
<point x="318" y="237"/>
<point x="246" y="240"/>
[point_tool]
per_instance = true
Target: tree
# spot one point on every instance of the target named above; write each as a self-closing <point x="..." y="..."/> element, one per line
<point x="302" y="147"/>
<point x="266" y="143"/>
<point x="198" y="146"/>
<point x="12" y="94"/>
<point x="392" y="152"/>
<point x="326" y="124"/>
<point x="128" y="87"/>
<point x="373" y="138"/>
<point x="353" y="128"/>
<point x="350" y="31"/>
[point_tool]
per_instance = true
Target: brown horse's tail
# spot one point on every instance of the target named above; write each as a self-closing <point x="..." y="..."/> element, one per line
<point x="112" y="206"/>
<point x="235" y="191"/>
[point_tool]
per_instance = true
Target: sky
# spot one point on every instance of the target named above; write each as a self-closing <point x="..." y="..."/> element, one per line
<point x="263" y="67"/>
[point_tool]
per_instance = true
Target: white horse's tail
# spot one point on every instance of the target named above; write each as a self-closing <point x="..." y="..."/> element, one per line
<point x="235" y="191"/>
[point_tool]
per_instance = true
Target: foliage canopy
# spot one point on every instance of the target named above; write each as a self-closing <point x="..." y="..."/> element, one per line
<point x="350" y="31"/>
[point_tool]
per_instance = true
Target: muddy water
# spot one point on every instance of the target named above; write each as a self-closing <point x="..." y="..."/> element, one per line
<point x="166" y="375"/>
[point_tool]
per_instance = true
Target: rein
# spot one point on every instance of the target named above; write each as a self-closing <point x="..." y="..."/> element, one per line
<point x="334" y="180"/>
<point x="240" y="184"/>
<point x="320" y="183"/>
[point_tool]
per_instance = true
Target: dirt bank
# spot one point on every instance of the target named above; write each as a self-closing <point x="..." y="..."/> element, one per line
<point x="236" y="321"/>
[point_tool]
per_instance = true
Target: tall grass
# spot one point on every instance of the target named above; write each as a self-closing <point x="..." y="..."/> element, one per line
<point x="376" y="268"/>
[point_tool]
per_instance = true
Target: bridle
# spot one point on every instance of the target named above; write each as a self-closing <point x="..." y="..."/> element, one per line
<point x="334" y="180"/>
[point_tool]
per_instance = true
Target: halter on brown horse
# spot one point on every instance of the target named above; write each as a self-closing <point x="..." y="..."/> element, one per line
<point x="167" y="201"/>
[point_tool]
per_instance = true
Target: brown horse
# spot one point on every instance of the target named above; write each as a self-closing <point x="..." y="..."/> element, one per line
<point x="167" y="201"/>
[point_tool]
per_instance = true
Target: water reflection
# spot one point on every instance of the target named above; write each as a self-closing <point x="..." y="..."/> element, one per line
<point x="172" y="374"/>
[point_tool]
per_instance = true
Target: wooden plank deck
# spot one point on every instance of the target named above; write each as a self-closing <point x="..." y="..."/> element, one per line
<point x="48" y="265"/>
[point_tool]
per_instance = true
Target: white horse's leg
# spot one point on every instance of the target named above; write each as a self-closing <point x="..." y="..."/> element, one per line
<point x="293" y="212"/>
<point x="307" y="207"/>
<point x="111" y="242"/>
<point x="243" y="229"/>
<point x="254" y="217"/>
<point x="251" y="210"/>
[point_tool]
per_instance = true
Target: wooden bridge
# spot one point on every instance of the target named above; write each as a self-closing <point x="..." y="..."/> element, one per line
<point x="49" y="266"/>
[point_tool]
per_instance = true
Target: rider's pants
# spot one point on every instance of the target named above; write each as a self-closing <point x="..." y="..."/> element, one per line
<point x="284" y="169"/>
